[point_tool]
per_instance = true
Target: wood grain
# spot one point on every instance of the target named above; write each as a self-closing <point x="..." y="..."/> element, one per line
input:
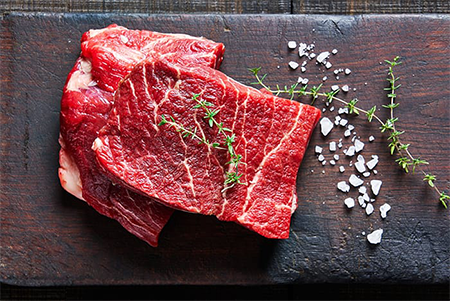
<point x="231" y="6"/>
<point x="155" y="6"/>
<point x="50" y="238"/>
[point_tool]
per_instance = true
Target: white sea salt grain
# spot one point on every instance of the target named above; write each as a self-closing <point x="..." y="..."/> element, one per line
<point x="318" y="149"/>
<point x="341" y="168"/>
<point x="372" y="163"/>
<point x="321" y="158"/>
<point x="347" y="133"/>
<point x="332" y="146"/>
<point x="366" y="174"/>
<point x="349" y="202"/>
<point x="369" y="209"/>
<point x="328" y="65"/>
<point x="340" y="144"/>
<point x="361" y="201"/>
<point x="366" y="197"/>
<point x="331" y="109"/>
<point x="325" y="126"/>
<point x="324" y="78"/>
<point x="359" y="165"/>
<point x="343" y="110"/>
<point x="332" y="162"/>
<point x="303" y="69"/>
<point x="334" y="87"/>
<point x="312" y="55"/>
<point x="334" y="51"/>
<point x="347" y="71"/>
<point x="345" y="88"/>
<point x="302" y="51"/>
<point x="351" y="151"/>
<point x="371" y="138"/>
<point x="351" y="127"/>
<point x="336" y="157"/>
<point x="384" y="210"/>
<point x="292" y="45"/>
<point x="322" y="57"/>
<point x="324" y="162"/>
<point x="362" y="189"/>
<point x="293" y="65"/>
<point x="343" y="186"/>
<point x="324" y="109"/>
<point x="304" y="63"/>
<point x="353" y="138"/>
<point x="375" y="237"/>
<point x="359" y="145"/>
<point x="375" y="185"/>
<point x="355" y="181"/>
<point x="343" y="122"/>
<point x="375" y="171"/>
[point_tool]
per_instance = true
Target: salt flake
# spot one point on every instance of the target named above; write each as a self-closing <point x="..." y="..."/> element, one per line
<point x="384" y="210"/>
<point x="292" y="45"/>
<point x="349" y="202"/>
<point x="293" y="65"/>
<point x="375" y="185"/>
<point x="375" y="237"/>
<point x="325" y="126"/>
<point x="343" y="186"/>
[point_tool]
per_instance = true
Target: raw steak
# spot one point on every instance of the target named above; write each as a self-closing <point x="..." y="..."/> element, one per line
<point x="271" y="135"/>
<point x="85" y="106"/>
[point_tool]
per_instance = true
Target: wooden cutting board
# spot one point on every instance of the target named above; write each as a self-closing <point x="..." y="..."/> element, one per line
<point x="50" y="238"/>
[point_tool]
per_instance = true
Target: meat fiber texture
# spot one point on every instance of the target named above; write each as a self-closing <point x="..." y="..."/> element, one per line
<point x="108" y="55"/>
<point x="271" y="135"/>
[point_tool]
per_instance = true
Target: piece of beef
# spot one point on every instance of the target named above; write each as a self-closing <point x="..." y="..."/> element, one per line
<point x="271" y="135"/>
<point x="85" y="107"/>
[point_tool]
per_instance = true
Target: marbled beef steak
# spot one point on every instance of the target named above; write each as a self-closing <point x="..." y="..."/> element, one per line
<point x="271" y="135"/>
<point x="107" y="56"/>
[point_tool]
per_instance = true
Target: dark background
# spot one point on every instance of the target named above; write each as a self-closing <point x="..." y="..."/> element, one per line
<point x="315" y="291"/>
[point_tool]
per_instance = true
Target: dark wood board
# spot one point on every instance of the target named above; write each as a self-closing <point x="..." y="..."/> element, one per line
<point x="50" y="238"/>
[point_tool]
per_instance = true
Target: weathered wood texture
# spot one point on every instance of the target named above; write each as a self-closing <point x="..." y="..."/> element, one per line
<point x="49" y="237"/>
<point x="231" y="6"/>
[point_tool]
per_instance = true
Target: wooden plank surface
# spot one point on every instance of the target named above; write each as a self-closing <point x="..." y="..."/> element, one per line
<point x="231" y="6"/>
<point x="50" y="238"/>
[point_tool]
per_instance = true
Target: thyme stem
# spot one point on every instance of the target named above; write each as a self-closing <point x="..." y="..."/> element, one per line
<point x="389" y="125"/>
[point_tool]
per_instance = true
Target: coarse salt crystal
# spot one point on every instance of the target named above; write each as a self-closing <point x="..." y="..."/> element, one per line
<point x="304" y="63"/>
<point x="343" y="110"/>
<point x="302" y="50"/>
<point x="324" y="162"/>
<point x="372" y="163"/>
<point x="318" y="149"/>
<point x="343" y="122"/>
<point x="366" y="174"/>
<point x="292" y="44"/>
<point x="334" y="87"/>
<point x="328" y="65"/>
<point x="324" y="109"/>
<point x="361" y="201"/>
<point x="343" y="186"/>
<point x="371" y="138"/>
<point x="359" y="165"/>
<point x="312" y="55"/>
<point x="347" y="133"/>
<point x="359" y="145"/>
<point x="340" y="144"/>
<point x="303" y="69"/>
<point x="351" y="127"/>
<point x="334" y="51"/>
<point x="366" y="197"/>
<point x="375" y="171"/>
<point x="341" y="168"/>
<point x="322" y="57"/>
<point x="331" y="109"/>
<point x="305" y="81"/>
<point x="351" y="151"/>
<point x="349" y="202"/>
<point x="347" y="71"/>
<point x="321" y="158"/>
<point x="332" y="146"/>
<point x="332" y="162"/>
<point x="362" y="189"/>
<point x="369" y="209"/>
<point x="336" y="72"/>
<point x="324" y="78"/>
<point x="355" y="181"/>
<point x="293" y="65"/>
<point x="336" y="157"/>
<point x="325" y="126"/>
<point x="375" y="237"/>
<point x="375" y="185"/>
<point x="360" y="158"/>
<point x="384" y="210"/>
<point x="345" y="88"/>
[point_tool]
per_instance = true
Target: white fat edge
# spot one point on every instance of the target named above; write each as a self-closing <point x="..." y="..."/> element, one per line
<point x="69" y="174"/>
<point x="82" y="78"/>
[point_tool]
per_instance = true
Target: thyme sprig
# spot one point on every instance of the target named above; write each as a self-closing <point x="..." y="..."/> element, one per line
<point x="406" y="160"/>
<point x="232" y="177"/>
